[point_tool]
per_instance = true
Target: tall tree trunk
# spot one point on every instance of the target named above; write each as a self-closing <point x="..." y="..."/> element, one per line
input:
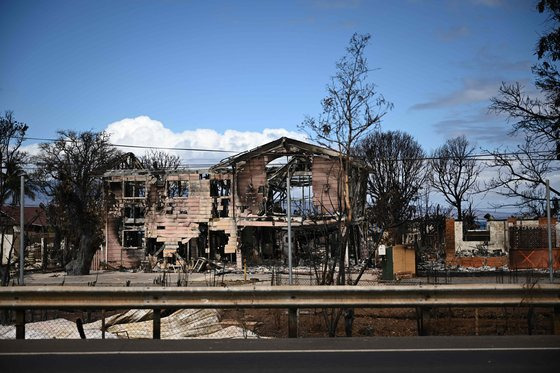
<point x="81" y="264"/>
<point x="57" y="246"/>
<point x="6" y="274"/>
<point x="2" y="269"/>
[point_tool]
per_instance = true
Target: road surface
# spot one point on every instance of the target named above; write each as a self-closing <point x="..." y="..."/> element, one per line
<point x="406" y="354"/>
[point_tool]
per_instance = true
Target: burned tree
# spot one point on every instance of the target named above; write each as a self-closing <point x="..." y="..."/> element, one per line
<point x="70" y="173"/>
<point x="160" y="160"/>
<point x="455" y="172"/>
<point x="523" y="174"/>
<point x="351" y="108"/>
<point x="396" y="174"/>
<point x="428" y="220"/>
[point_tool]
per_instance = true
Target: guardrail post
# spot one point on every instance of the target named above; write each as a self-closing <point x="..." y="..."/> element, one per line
<point x="157" y="324"/>
<point x="20" y="324"/>
<point x="556" y="320"/>
<point x="420" y="321"/>
<point x="530" y="320"/>
<point x="103" y="326"/>
<point x="292" y="323"/>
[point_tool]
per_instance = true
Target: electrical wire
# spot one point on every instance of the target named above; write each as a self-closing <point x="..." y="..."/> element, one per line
<point x="146" y="146"/>
<point x="474" y="157"/>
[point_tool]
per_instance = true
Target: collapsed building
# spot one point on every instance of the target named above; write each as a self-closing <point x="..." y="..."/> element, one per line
<point x="38" y="236"/>
<point x="513" y="243"/>
<point x="236" y="211"/>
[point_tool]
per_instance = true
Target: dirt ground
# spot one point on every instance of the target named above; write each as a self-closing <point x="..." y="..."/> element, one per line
<point x="402" y="322"/>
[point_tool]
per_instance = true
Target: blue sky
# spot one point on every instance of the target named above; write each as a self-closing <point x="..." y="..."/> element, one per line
<point x="246" y="66"/>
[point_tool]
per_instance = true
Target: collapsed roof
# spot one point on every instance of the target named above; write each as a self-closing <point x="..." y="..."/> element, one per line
<point x="283" y="146"/>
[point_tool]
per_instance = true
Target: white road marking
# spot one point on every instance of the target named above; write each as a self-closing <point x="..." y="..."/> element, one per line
<point x="151" y="352"/>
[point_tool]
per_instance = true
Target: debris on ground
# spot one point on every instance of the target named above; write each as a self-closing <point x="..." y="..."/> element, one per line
<point x="203" y="264"/>
<point x="137" y="324"/>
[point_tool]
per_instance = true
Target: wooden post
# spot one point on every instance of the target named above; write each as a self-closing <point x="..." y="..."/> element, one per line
<point x="20" y="324"/>
<point x="157" y="324"/>
<point x="292" y="323"/>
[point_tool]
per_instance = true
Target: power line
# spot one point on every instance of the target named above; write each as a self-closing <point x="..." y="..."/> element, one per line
<point x="474" y="157"/>
<point x="146" y="146"/>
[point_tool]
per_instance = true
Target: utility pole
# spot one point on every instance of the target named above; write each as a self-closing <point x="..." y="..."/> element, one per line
<point x="549" y="231"/>
<point x="289" y="217"/>
<point x="21" y="230"/>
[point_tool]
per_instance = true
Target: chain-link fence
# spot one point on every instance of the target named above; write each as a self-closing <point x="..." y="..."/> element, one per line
<point x="129" y="324"/>
<point x="260" y="276"/>
<point x="273" y="323"/>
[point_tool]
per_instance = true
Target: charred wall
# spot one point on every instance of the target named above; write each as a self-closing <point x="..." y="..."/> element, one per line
<point x="172" y="211"/>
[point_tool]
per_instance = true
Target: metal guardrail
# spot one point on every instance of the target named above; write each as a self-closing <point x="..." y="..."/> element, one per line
<point x="35" y="297"/>
<point x="292" y="298"/>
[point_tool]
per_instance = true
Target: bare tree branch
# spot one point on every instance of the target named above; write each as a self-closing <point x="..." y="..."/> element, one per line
<point x="454" y="172"/>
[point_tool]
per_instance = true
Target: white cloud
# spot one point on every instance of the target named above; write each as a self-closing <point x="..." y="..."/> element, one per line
<point x="145" y="131"/>
<point x="31" y="149"/>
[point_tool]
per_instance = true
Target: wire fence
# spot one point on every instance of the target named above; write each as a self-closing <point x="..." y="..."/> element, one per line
<point x="273" y="323"/>
<point x="263" y="276"/>
<point x="498" y="276"/>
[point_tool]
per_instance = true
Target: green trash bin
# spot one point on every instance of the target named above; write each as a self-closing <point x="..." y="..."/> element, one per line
<point x="387" y="265"/>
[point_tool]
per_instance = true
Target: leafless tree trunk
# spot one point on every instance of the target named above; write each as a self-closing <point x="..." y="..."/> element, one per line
<point x="351" y="108"/>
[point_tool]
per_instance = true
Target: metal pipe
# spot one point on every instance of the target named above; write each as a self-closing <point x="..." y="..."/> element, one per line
<point x="21" y="230"/>
<point x="289" y="218"/>
<point x="549" y="229"/>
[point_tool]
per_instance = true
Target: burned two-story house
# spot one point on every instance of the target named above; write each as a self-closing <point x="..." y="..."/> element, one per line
<point x="234" y="211"/>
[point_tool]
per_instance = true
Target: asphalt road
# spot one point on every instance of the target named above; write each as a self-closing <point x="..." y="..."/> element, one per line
<point x="407" y="354"/>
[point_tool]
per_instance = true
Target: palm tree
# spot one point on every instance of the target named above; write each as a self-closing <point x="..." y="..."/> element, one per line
<point x="11" y="174"/>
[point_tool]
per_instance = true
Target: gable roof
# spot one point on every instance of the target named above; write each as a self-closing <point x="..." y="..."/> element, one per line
<point x="280" y="147"/>
<point x="126" y="161"/>
<point x="32" y="215"/>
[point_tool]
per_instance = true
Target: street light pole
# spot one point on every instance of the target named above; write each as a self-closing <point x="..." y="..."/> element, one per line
<point x="549" y="231"/>
<point x="289" y="217"/>
<point x="21" y="230"/>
